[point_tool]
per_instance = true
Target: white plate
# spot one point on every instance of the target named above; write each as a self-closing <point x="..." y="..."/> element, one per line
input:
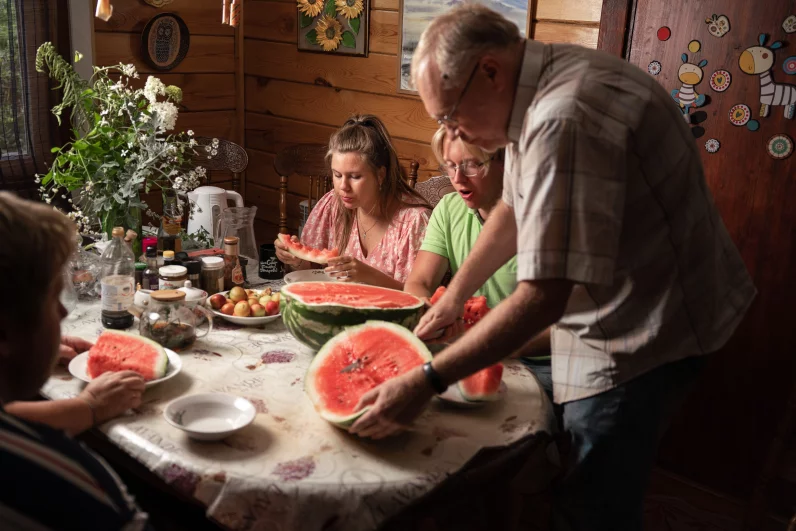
<point x="454" y="397"/>
<point x="308" y="275"/>
<point x="209" y="416"/>
<point x="243" y="321"/>
<point x="78" y="367"/>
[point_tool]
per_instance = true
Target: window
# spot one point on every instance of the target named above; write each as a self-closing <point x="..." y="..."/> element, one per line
<point x="13" y="117"/>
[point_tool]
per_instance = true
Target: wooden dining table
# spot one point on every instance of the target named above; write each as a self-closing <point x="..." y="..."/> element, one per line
<point x="290" y="469"/>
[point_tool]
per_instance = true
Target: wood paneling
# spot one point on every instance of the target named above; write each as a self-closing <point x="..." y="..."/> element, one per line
<point x="203" y="17"/>
<point x="200" y="92"/>
<point x="217" y="124"/>
<point x="556" y="32"/>
<point x="580" y="11"/>
<point x="206" y="54"/>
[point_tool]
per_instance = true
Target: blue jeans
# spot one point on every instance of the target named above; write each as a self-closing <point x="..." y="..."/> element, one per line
<point x="610" y="442"/>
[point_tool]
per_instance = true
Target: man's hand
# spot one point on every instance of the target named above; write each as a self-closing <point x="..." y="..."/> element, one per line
<point x="72" y="346"/>
<point x="113" y="393"/>
<point x="393" y="405"/>
<point x="443" y="314"/>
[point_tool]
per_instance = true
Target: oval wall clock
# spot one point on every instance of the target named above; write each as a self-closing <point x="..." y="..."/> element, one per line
<point x="165" y="41"/>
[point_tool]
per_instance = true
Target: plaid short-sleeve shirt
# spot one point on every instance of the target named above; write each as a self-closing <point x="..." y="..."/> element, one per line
<point x="608" y="191"/>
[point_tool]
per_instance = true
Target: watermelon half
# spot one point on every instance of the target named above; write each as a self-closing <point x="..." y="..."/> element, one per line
<point x="483" y="386"/>
<point x="117" y="351"/>
<point x="304" y="252"/>
<point x="315" y="312"/>
<point x="372" y="353"/>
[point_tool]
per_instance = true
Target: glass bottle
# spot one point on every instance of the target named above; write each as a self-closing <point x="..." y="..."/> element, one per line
<point x="233" y="274"/>
<point x="117" y="282"/>
<point x="168" y="258"/>
<point x="170" y="223"/>
<point x="150" y="278"/>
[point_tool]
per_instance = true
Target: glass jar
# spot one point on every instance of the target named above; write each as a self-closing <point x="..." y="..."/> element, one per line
<point x="212" y="274"/>
<point x="172" y="277"/>
<point x="194" y="268"/>
<point x="170" y="322"/>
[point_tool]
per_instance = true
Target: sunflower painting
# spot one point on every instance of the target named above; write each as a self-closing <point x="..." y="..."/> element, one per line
<point x="333" y="26"/>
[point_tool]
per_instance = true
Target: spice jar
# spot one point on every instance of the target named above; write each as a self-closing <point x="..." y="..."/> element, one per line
<point x="168" y="258"/>
<point x="139" y="272"/>
<point x="212" y="274"/>
<point x="194" y="268"/>
<point x="172" y="277"/>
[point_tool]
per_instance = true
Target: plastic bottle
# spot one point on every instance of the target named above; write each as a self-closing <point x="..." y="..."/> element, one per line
<point x="117" y="282"/>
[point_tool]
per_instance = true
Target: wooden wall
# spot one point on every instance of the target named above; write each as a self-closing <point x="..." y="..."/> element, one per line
<point x="294" y="97"/>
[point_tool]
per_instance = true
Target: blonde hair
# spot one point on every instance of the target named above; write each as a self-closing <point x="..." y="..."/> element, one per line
<point x="458" y="37"/>
<point x="438" y="147"/>
<point x="366" y="134"/>
<point x="36" y="241"/>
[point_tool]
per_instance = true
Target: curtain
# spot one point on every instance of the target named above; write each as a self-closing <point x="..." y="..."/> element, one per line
<point x="27" y="129"/>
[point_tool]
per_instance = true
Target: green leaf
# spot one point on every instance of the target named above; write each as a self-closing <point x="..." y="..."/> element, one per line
<point x="81" y="144"/>
<point x="312" y="37"/>
<point x="304" y="20"/>
<point x="354" y="23"/>
<point x="330" y="9"/>
<point x="349" y="41"/>
<point x="55" y="150"/>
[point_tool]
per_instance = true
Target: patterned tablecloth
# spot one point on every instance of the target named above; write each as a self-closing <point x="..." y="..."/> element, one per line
<point x="290" y="469"/>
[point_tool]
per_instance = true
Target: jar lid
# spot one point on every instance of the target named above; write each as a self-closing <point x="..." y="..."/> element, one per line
<point x="151" y="251"/>
<point x="168" y="295"/>
<point x="173" y="271"/>
<point x="231" y="240"/>
<point x="212" y="262"/>
<point x="117" y="232"/>
<point x="194" y="266"/>
<point x="140" y="266"/>
<point x="168" y="254"/>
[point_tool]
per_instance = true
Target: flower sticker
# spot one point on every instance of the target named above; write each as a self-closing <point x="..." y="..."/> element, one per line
<point x="311" y="8"/>
<point x="350" y="9"/>
<point x="712" y="145"/>
<point x="654" y="68"/>
<point x="328" y="33"/>
<point x="780" y="146"/>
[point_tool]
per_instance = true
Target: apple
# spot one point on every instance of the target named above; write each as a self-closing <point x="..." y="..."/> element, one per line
<point x="252" y="301"/>
<point x="272" y="307"/>
<point x="249" y="292"/>
<point x="264" y="300"/>
<point x="217" y="301"/>
<point x="258" y="310"/>
<point x="275" y="297"/>
<point x="242" y="309"/>
<point x="237" y="294"/>
<point x="228" y="308"/>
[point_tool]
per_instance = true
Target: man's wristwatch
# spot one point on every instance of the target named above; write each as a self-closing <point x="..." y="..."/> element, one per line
<point x="434" y="379"/>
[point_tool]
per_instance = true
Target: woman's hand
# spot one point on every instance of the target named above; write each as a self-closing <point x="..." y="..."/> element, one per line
<point x="349" y="269"/>
<point x="113" y="393"/>
<point x="284" y="256"/>
<point x="70" y="347"/>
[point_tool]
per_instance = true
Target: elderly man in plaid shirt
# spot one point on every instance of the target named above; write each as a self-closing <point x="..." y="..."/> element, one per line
<point x="618" y="242"/>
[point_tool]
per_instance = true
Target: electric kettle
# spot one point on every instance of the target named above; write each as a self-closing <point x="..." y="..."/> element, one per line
<point x="209" y="202"/>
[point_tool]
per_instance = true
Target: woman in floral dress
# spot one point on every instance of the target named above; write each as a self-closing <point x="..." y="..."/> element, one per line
<point x="372" y="217"/>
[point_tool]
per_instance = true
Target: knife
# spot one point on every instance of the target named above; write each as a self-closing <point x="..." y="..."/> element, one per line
<point x="351" y="366"/>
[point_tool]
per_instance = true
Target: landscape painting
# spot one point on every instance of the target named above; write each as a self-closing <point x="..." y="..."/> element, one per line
<point x="416" y="15"/>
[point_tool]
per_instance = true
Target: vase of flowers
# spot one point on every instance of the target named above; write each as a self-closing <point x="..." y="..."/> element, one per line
<point x="121" y="146"/>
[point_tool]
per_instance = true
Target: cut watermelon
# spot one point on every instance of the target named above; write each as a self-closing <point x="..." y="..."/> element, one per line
<point x="475" y="308"/>
<point x="319" y="256"/>
<point x="370" y="354"/>
<point x="315" y="312"/>
<point x="120" y="351"/>
<point x="483" y="386"/>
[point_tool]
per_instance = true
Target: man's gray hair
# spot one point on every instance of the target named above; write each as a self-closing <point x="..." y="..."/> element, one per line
<point x="457" y="38"/>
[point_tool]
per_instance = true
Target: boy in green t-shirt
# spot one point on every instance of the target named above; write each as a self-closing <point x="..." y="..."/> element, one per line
<point x="454" y="227"/>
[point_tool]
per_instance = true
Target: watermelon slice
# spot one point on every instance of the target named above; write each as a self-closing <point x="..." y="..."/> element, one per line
<point x="319" y="256"/>
<point x="315" y="312"/>
<point x="475" y="308"/>
<point x="357" y="360"/>
<point x="121" y="351"/>
<point x="483" y="386"/>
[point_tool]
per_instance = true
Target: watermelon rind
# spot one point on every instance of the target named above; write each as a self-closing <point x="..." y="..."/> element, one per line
<point x="313" y="324"/>
<point x="345" y="421"/>
<point x="470" y="396"/>
<point x="316" y="258"/>
<point x="161" y="363"/>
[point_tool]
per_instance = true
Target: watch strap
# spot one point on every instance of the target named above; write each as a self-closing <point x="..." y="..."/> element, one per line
<point x="434" y="379"/>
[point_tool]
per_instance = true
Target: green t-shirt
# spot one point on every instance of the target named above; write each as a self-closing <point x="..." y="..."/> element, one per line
<point x="451" y="233"/>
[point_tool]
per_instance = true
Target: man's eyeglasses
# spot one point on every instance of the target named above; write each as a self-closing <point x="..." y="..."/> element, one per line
<point x="469" y="168"/>
<point x="448" y="120"/>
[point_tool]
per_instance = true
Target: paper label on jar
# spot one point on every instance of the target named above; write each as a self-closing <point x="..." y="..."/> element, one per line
<point x="117" y="293"/>
<point x="237" y="275"/>
<point x="171" y="284"/>
<point x="220" y="286"/>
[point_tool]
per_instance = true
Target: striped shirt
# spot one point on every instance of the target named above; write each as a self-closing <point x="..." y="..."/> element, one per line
<point x="50" y="481"/>
<point x="608" y="191"/>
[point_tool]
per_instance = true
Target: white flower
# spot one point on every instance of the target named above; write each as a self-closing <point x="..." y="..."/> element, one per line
<point x="47" y="200"/>
<point x="128" y="70"/>
<point x="154" y="88"/>
<point x="124" y="153"/>
<point x="167" y="114"/>
<point x="37" y="179"/>
<point x="190" y="132"/>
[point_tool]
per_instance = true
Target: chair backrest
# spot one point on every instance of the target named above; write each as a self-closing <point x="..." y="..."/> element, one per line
<point x="223" y="155"/>
<point x="434" y="189"/>
<point x="304" y="160"/>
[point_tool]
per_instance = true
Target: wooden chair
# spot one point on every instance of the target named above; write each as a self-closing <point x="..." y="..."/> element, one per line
<point x="432" y="190"/>
<point x="303" y="160"/>
<point x="229" y="156"/>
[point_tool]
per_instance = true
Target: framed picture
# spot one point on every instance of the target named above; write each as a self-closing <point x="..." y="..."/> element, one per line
<point x="333" y="26"/>
<point x="415" y="15"/>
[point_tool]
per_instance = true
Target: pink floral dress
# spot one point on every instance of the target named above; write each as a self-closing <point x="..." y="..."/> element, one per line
<point x="394" y="255"/>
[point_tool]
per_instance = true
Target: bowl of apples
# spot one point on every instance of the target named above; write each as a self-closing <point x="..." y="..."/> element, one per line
<point x="246" y="307"/>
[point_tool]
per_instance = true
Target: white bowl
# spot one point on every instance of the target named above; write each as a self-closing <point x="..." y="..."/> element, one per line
<point x="77" y="367"/>
<point x="243" y="321"/>
<point x="209" y="416"/>
<point x="309" y="275"/>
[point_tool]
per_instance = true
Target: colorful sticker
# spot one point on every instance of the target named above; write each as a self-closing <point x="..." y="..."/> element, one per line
<point x="664" y="33"/>
<point x="759" y="60"/>
<point x="718" y="26"/>
<point x="654" y="68"/>
<point x="780" y="146"/>
<point x="789" y="24"/>
<point x="712" y="145"/>
<point x="789" y="66"/>
<point x="720" y="80"/>
<point x="689" y="75"/>
<point x="740" y="114"/>
<point x="694" y="46"/>
<point x="753" y="125"/>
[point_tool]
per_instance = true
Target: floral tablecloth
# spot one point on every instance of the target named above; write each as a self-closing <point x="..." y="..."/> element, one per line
<point x="290" y="469"/>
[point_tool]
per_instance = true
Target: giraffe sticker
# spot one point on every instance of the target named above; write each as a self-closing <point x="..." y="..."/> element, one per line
<point x="687" y="98"/>
<point x="759" y="60"/>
